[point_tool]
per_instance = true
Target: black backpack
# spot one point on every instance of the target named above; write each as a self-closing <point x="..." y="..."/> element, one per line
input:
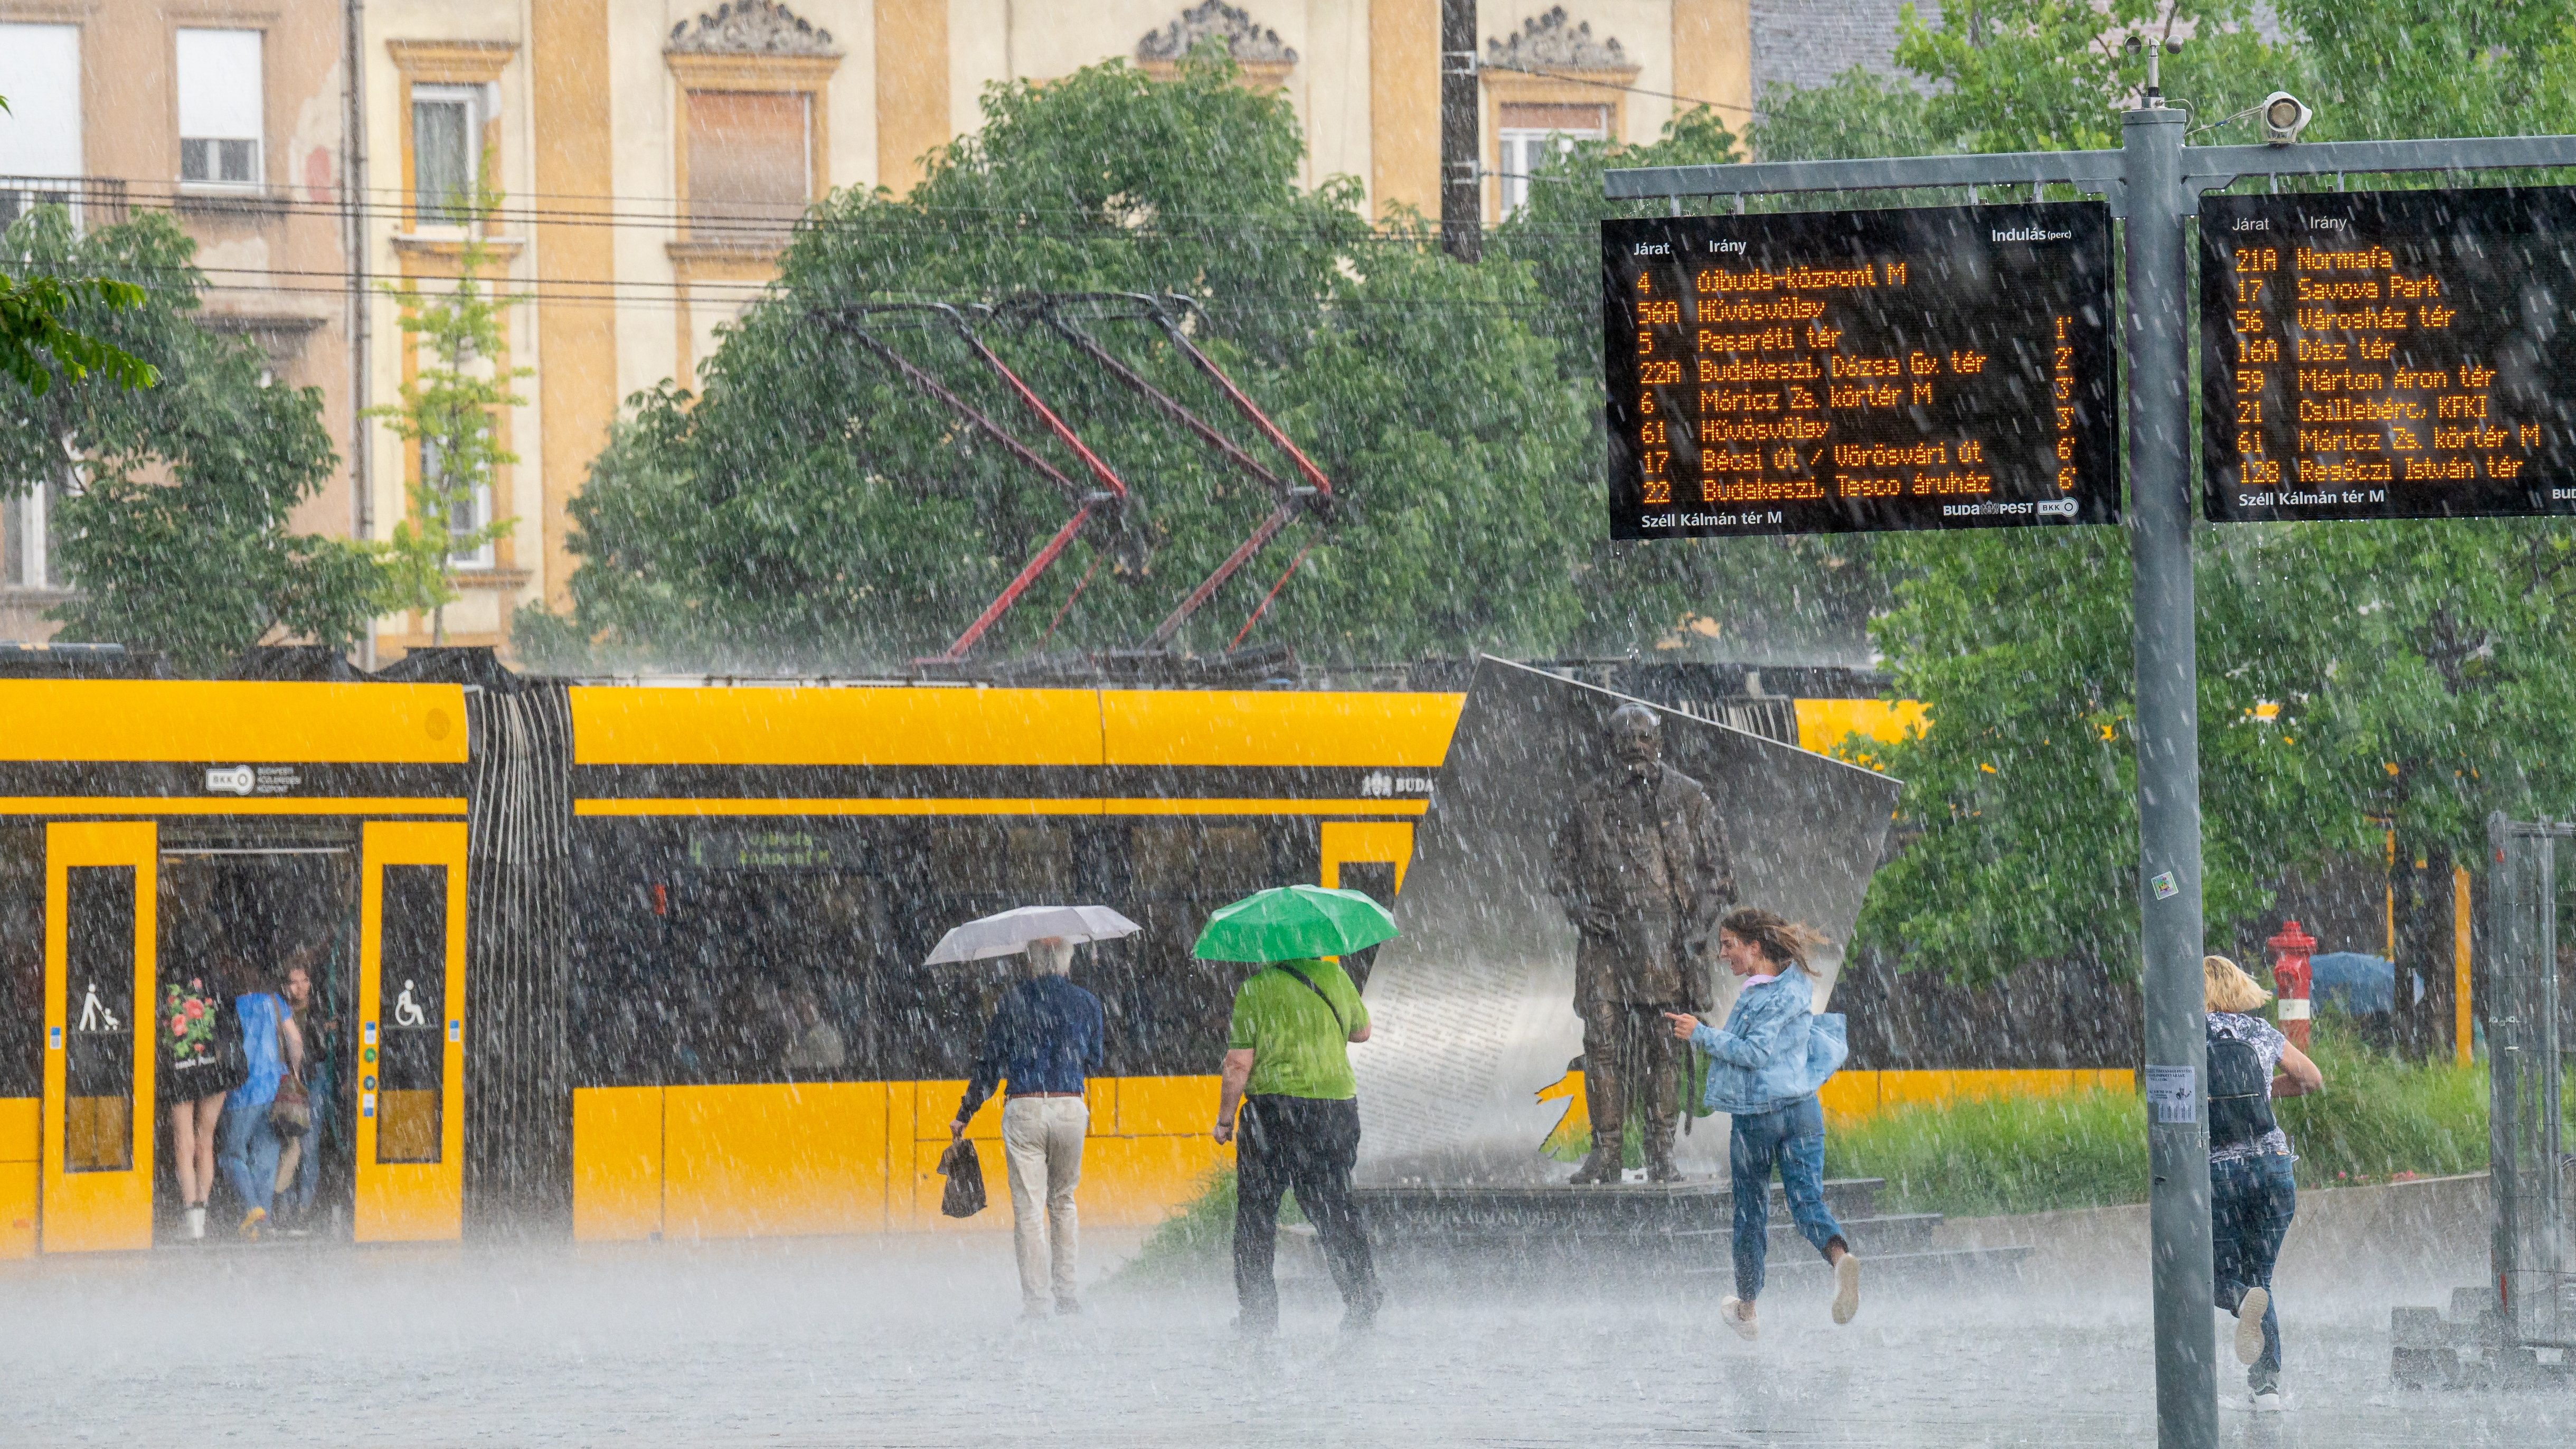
<point x="2240" y="1093"/>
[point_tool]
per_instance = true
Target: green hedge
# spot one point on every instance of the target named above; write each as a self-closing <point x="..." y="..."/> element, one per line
<point x="2377" y="1118"/>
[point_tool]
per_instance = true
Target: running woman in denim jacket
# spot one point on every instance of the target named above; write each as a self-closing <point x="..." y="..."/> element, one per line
<point x="1765" y="1067"/>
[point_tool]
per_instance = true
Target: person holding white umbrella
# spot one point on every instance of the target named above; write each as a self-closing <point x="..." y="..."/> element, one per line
<point x="1046" y="1037"/>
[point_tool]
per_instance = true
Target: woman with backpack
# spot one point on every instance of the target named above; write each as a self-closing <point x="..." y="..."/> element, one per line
<point x="2252" y="1196"/>
<point x="1764" y="1068"/>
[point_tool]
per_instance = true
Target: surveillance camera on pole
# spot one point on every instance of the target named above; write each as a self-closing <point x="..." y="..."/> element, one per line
<point x="2283" y="117"/>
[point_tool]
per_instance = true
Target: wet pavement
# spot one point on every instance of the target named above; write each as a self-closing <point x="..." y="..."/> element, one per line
<point x="917" y="1343"/>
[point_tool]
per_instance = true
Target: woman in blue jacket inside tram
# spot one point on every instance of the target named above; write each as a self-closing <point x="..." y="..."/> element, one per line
<point x="1764" y="1068"/>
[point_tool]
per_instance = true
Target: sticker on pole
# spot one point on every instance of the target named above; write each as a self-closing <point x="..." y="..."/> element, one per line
<point x="2172" y="1096"/>
<point x="2166" y="886"/>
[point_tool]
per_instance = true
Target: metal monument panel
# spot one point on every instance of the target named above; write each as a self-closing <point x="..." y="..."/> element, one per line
<point x="1832" y="372"/>
<point x="2387" y="354"/>
<point x="1467" y="1075"/>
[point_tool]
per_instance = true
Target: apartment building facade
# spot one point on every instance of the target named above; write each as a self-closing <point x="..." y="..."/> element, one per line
<point x="227" y="116"/>
<point x="650" y="154"/>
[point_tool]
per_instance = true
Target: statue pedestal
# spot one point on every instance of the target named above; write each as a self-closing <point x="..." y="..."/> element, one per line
<point x="1439" y="1232"/>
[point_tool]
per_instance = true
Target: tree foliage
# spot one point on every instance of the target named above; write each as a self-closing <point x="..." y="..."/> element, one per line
<point x="176" y="528"/>
<point x="804" y="506"/>
<point x="2354" y="678"/>
<point x="37" y="343"/>
<point x="449" y="413"/>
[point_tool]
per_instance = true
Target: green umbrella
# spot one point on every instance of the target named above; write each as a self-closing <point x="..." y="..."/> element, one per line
<point x="1292" y="923"/>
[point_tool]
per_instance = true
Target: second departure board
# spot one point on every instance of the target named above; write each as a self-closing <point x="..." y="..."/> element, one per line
<point x="2390" y="354"/>
<point x="1830" y="372"/>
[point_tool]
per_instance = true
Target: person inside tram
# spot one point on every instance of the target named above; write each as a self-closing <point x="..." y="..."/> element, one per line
<point x="202" y="1063"/>
<point x="247" y="1143"/>
<point x="299" y="1161"/>
<point x="815" y="1045"/>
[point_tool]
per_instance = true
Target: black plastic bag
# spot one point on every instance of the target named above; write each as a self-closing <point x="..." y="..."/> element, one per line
<point x="965" y="1173"/>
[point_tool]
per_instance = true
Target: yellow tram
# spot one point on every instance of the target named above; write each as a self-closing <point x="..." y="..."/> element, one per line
<point x="625" y="962"/>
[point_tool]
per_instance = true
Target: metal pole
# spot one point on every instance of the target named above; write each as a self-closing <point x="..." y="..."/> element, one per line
<point x="2159" y="523"/>
<point x="1462" y="193"/>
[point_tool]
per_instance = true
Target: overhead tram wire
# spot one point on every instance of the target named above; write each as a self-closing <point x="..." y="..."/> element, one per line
<point x="1053" y="223"/>
<point x="598" y="292"/>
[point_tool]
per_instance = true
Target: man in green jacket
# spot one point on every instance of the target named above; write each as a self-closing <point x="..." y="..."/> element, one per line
<point x="1288" y="1066"/>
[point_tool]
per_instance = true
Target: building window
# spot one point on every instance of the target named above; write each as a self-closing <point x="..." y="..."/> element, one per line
<point x="466" y="516"/>
<point x="220" y="96"/>
<point x="1533" y="135"/>
<point x="40" y="135"/>
<point x="27" y="538"/>
<point x="751" y="164"/>
<point x="446" y="152"/>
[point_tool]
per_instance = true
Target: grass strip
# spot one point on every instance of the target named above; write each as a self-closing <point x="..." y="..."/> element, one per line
<point x="2378" y="1119"/>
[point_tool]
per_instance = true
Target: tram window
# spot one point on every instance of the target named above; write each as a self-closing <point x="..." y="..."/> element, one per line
<point x="974" y="857"/>
<point x="1376" y="880"/>
<point x="411" y="1011"/>
<point x="1167" y="1009"/>
<point x="98" y="999"/>
<point x="691" y="974"/>
<point x="22" y="961"/>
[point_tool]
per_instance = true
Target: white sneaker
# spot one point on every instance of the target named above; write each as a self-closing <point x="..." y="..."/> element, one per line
<point x="2249" y="1325"/>
<point x="1846" y="1286"/>
<point x="1739" y="1316"/>
<point x="196" y="1222"/>
<point x="2271" y="1403"/>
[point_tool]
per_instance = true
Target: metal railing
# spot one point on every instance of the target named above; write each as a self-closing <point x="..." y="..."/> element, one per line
<point x="94" y="201"/>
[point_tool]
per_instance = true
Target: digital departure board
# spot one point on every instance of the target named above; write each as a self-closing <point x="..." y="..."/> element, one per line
<point x="2389" y="354"/>
<point x="1832" y="372"/>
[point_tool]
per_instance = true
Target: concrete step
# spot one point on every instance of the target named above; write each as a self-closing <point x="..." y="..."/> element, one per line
<point x="1967" y="1266"/>
<point x="1561" y="1209"/>
<point x="1904" y="1232"/>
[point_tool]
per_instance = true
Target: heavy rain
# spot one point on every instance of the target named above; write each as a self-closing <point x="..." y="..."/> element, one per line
<point x="1451" y="722"/>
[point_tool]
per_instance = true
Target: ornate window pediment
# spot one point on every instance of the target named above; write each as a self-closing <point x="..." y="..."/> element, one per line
<point x="750" y="27"/>
<point x="1259" y="55"/>
<point x="1554" y="42"/>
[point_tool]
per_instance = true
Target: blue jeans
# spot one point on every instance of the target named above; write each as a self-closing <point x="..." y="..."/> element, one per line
<point x="246" y="1149"/>
<point x="1794" y="1138"/>
<point x="2251" y="1201"/>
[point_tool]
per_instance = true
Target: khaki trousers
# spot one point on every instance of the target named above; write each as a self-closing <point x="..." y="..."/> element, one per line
<point x="1042" y="1145"/>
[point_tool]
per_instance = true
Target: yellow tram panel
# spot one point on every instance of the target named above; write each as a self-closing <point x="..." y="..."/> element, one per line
<point x="792" y="725"/>
<point x="21" y="1133"/>
<point x="99" y="721"/>
<point x="772" y="1160"/>
<point x="616" y="1164"/>
<point x="1277" y="728"/>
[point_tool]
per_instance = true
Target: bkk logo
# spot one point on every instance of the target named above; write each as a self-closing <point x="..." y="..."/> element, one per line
<point x="236" y="780"/>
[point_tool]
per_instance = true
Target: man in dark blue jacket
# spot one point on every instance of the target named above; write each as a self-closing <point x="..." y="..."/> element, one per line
<point x="1045" y="1037"/>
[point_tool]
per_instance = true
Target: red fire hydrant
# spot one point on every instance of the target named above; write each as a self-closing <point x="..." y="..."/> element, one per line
<point x="2290" y="951"/>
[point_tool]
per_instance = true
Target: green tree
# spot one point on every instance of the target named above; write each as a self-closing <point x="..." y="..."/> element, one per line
<point x="2405" y="68"/>
<point x="176" y="521"/>
<point x="449" y="413"/>
<point x="37" y="342"/>
<point x="804" y="507"/>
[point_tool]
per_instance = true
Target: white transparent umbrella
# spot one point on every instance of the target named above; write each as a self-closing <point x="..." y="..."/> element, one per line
<point x="1012" y="931"/>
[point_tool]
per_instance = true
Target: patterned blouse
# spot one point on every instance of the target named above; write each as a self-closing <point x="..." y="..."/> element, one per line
<point x="2268" y="1043"/>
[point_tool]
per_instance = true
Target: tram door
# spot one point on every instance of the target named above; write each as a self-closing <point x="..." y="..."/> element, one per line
<point x="411" y="1034"/>
<point x="99" y="936"/>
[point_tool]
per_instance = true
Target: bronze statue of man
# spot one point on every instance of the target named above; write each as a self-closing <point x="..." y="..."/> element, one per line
<point x="1643" y="869"/>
